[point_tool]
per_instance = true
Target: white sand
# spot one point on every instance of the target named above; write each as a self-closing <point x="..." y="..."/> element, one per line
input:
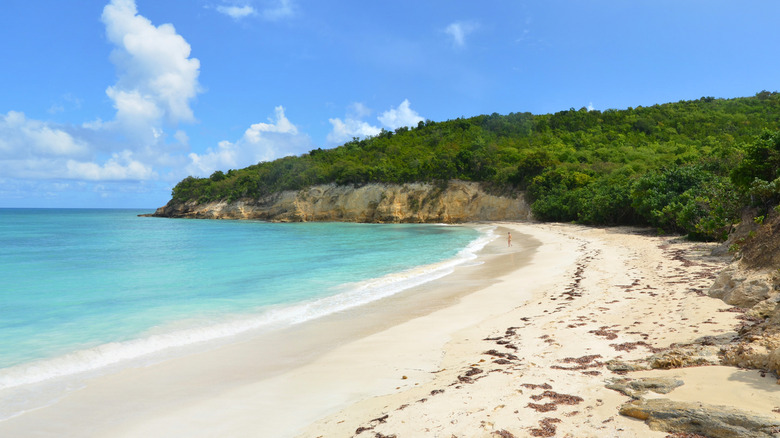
<point x="350" y="368"/>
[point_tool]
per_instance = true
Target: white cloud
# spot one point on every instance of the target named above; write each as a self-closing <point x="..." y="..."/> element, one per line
<point x="459" y="30"/>
<point x="282" y="9"/>
<point x="119" y="167"/>
<point x="352" y="125"/>
<point x="25" y="138"/>
<point x="237" y="12"/>
<point x="403" y="116"/>
<point x="260" y="142"/>
<point x="274" y="11"/>
<point x="348" y="128"/>
<point x="278" y="124"/>
<point x="590" y="106"/>
<point x="39" y="150"/>
<point x="157" y="77"/>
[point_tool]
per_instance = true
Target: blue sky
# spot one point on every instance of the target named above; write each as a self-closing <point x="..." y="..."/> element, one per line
<point x="109" y="103"/>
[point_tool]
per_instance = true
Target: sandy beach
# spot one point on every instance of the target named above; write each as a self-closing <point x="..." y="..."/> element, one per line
<point x="515" y="344"/>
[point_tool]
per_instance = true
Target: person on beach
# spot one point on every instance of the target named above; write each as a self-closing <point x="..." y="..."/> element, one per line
<point x="509" y="239"/>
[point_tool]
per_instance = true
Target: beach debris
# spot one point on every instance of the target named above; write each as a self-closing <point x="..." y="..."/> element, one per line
<point x="561" y="399"/>
<point x="534" y="386"/>
<point x="699" y="418"/>
<point x="465" y="379"/>
<point x="631" y="346"/>
<point x="547" y="407"/>
<point x="372" y="424"/>
<point x="583" y="363"/>
<point x="473" y="371"/>
<point x="685" y="435"/>
<point x="497" y="353"/>
<point x="546" y="427"/>
<point x="606" y="332"/>
<point x="503" y="434"/>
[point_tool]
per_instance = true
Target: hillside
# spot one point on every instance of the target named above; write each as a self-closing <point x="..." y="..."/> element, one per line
<point x="671" y="166"/>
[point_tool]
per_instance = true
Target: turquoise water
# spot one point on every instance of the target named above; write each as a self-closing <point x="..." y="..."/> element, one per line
<point x="84" y="289"/>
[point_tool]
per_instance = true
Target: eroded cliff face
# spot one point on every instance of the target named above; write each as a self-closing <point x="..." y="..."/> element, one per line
<point x="459" y="201"/>
<point x="752" y="283"/>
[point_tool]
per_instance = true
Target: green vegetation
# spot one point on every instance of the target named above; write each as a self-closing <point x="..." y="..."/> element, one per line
<point x="689" y="166"/>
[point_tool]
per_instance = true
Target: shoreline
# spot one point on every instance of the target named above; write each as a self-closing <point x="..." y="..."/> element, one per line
<point x="415" y="364"/>
<point x="172" y="339"/>
<point x="235" y="365"/>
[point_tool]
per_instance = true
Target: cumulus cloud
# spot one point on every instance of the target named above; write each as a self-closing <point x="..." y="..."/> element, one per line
<point x="157" y="77"/>
<point x="458" y="31"/>
<point x="237" y="12"/>
<point x="345" y="130"/>
<point x="353" y="125"/>
<point x="260" y="142"/>
<point x="36" y="149"/>
<point x="156" y="83"/>
<point x="402" y="116"/>
<point x="120" y="167"/>
<point x="22" y="137"/>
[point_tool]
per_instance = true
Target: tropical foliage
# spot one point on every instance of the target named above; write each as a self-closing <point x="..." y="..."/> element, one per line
<point x="685" y="167"/>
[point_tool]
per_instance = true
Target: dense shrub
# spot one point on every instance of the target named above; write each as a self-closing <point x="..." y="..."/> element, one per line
<point x="686" y="166"/>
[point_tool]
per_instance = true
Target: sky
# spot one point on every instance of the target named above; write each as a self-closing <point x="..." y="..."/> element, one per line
<point x="109" y="103"/>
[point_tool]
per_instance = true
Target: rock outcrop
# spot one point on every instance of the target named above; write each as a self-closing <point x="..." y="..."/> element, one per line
<point x="699" y="418"/>
<point x="458" y="202"/>
<point x="639" y="387"/>
<point x="752" y="283"/>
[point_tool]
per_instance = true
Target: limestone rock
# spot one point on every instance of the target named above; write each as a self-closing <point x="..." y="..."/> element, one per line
<point x="639" y="387"/>
<point x="755" y="351"/>
<point x="743" y="288"/>
<point x="621" y="367"/>
<point x="459" y="201"/>
<point x="708" y="420"/>
<point x="685" y="356"/>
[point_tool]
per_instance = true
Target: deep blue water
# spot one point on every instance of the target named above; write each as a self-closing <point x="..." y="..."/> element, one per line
<point x="81" y="289"/>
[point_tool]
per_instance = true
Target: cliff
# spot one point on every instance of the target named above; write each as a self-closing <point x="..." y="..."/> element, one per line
<point x="459" y="201"/>
<point x="752" y="283"/>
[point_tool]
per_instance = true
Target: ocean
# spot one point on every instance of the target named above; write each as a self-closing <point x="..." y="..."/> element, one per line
<point x="84" y="291"/>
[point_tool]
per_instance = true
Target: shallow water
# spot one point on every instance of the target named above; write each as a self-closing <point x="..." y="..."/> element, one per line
<point x="85" y="289"/>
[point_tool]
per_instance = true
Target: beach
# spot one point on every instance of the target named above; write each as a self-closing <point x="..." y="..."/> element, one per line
<point x="515" y="342"/>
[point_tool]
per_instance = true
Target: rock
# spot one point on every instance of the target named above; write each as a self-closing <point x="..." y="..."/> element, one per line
<point x="625" y="367"/>
<point x="708" y="420"/>
<point x="761" y="351"/>
<point x="743" y="288"/>
<point x="686" y="356"/>
<point x="639" y="387"/>
<point x="765" y="309"/>
<point x="459" y="201"/>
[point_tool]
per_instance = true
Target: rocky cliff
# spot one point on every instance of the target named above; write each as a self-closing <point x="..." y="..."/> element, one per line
<point x="752" y="283"/>
<point x="459" y="201"/>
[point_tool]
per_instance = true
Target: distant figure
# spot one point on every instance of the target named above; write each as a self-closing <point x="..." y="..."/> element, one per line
<point x="509" y="239"/>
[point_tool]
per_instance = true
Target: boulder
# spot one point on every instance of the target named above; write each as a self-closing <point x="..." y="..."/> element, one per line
<point x="698" y="418"/>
